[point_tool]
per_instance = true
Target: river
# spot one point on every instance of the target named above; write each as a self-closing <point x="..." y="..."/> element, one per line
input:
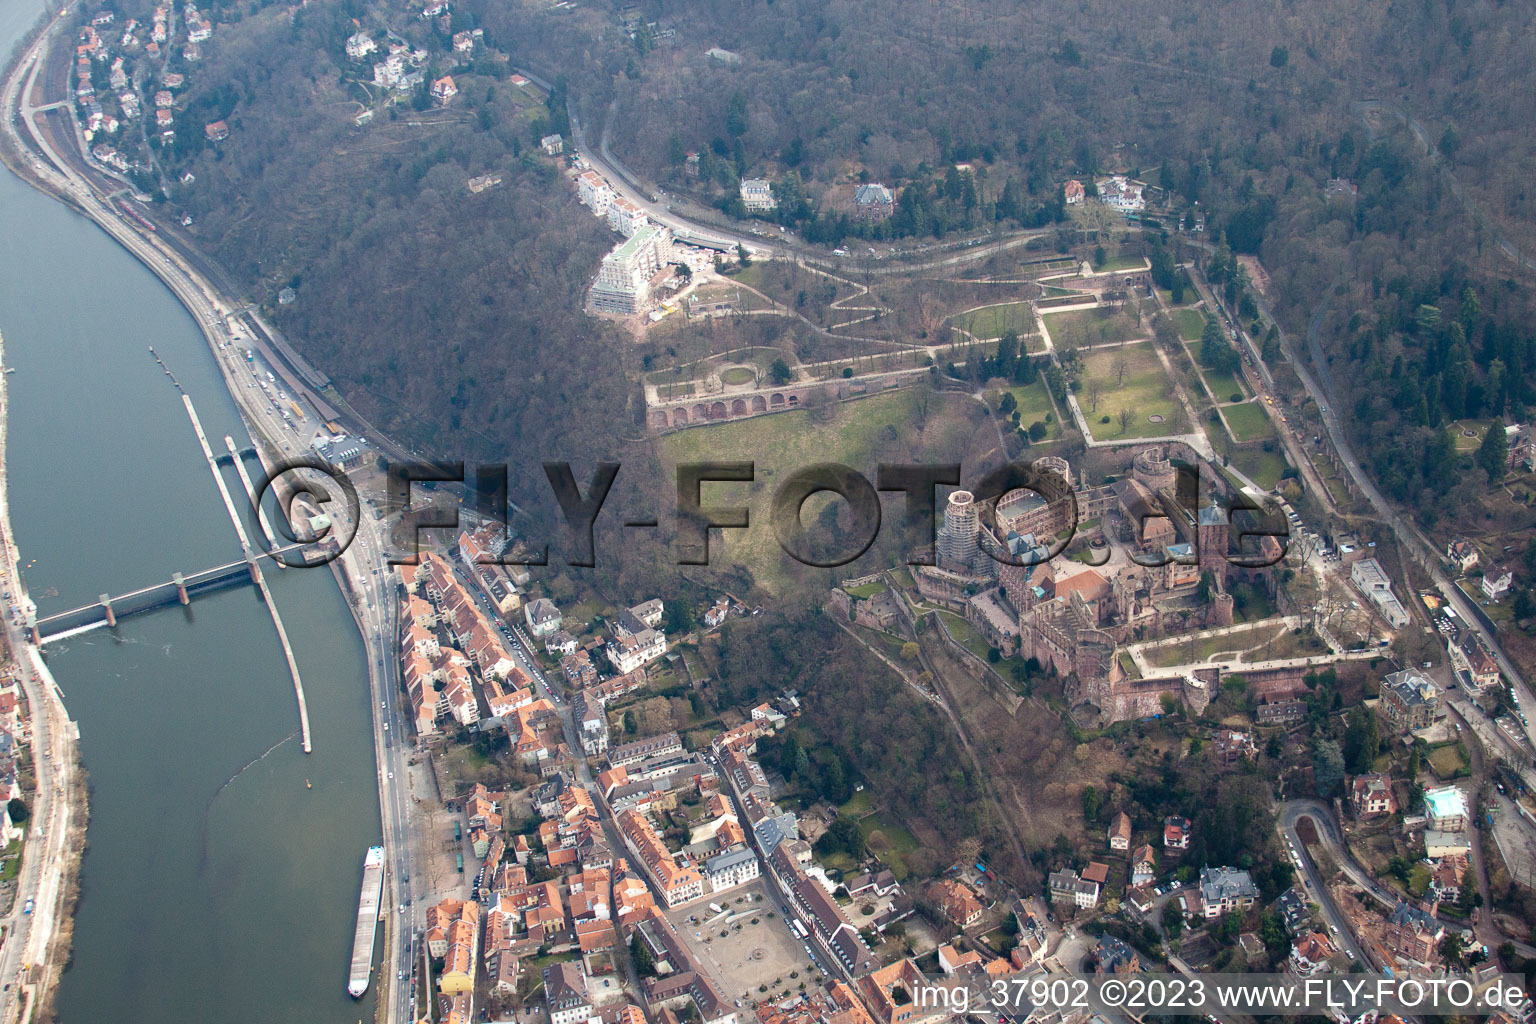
<point x="216" y="886"/>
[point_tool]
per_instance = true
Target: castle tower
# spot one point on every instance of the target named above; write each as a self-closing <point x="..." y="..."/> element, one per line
<point x="957" y="540"/>
<point x="1211" y="534"/>
<point x="1054" y="464"/>
<point x="1153" y="469"/>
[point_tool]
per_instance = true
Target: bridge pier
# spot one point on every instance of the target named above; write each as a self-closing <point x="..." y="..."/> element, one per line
<point x="106" y="602"/>
<point x="181" y="588"/>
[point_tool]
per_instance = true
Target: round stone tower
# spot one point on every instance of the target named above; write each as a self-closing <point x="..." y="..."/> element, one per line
<point x="1153" y="469"/>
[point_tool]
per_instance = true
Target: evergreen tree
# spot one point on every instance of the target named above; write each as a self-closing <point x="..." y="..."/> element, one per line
<point x="645" y="964"/>
<point x="1493" y="453"/>
<point x="1216" y="353"/>
<point x="1362" y="740"/>
<point x="1090" y="805"/>
<point x="1327" y="767"/>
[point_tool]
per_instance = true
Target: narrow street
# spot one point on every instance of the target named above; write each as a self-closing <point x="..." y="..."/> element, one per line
<point x="1291" y="812"/>
<point x="522" y="649"/>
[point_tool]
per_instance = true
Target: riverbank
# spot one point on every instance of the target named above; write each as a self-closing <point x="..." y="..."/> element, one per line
<point x="33" y="159"/>
<point x="36" y="947"/>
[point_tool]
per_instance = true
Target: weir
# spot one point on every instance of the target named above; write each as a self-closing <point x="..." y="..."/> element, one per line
<point x="250" y="558"/>
<point x="250" y="492"/>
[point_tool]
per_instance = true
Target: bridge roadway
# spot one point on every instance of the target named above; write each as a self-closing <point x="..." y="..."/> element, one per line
<point x="157" y="595"/>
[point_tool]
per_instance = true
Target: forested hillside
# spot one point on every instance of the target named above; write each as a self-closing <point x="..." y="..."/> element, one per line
<point x="450" y="318"/>
<point x="1247" y="109"/>
<point x="453" y="318"/>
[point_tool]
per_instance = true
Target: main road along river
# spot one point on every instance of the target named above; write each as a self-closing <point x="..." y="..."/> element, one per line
<point x="216" y="885"/>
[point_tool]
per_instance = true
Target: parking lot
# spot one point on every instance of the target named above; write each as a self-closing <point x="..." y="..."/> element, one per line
<point x="747" y="955"/>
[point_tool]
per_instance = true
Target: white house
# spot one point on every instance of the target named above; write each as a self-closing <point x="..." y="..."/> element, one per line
<point x="1310" y="954"/>
<point x="565" y="989"/>
<point x="1120" y="193"/>
<point x="1461" y="553"/>
<point x="595" y="193"/>
<point x="360" y="45"/>
<point x="757" y="195"/>
<point x="444" y="90"/>
<point x="1226" y="889"/>
<point x="387" y="72"/>
<point x="631" y="652"/>
<point x="542" y="616"/>
<point x="1496" y="582"/>
<point x="733" y="867"/>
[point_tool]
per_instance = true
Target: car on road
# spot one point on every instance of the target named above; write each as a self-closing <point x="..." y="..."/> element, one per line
<point x="27" y="909"/>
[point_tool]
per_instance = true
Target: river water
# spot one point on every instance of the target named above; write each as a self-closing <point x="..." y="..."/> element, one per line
<point x="216" y="886"/>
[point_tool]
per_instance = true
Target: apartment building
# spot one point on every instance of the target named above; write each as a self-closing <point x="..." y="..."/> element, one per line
<point x="594" y="193"/>
<point x="623" y="280"/>
<point x="625" y="217"/>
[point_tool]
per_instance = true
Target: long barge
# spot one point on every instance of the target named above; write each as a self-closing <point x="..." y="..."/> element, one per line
<point x="367" y="922"/>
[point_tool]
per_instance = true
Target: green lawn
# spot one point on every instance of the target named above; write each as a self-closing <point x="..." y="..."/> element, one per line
<point x="1115" y="264"/>
<point x="1468" y="434"/>
<point x="1263" y="468"/>
<point x="1250" y="604"/>
<point x="968" y="637"/>
<point x="838" y="861"/>
<point x="1223" y="386"/>
<point x="1190" y="322"/>
<point x="737" y="375"/>
<point x="1447" y="761"/>
<point x="1035" y="404"/>
<point x="990" y="322"/>
<point x="1200" y="649"/>
<point x="671" y="391"/>
<point x="858" y="805"/>
<point x="890" y="841"/>
<point x="783" y="443"/>
<point x="1248" y="421"/>
<point x="760" y="356"/>
<point x="1190" y="297"/>
<point x="867" y="590"/>
<point x="1084" y="327"/>
<point x="1146" y="391"/>
<point x="754" y="274"/>
<point x="1291" y="644"/>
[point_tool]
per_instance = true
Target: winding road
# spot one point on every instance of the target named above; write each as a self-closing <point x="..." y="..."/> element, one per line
<point x="1291" y="813"/>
